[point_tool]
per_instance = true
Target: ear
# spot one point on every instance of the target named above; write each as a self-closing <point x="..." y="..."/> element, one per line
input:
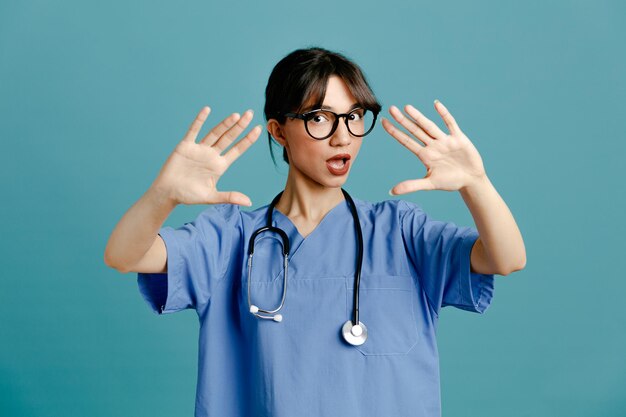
<point x="277" y="132"/>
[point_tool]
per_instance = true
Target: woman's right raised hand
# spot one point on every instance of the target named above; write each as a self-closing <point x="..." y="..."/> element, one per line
<point x="191" y="172"/>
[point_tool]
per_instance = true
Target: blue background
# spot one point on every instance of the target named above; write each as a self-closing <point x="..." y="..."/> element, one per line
<point x="95" y="95"/>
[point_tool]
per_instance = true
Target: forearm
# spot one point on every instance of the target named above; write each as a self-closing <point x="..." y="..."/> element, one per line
<point x="502" y="243"/>
<point x="137" y="230"/>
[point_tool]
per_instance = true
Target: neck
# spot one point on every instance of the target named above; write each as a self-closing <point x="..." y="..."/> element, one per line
<point x="307" y="200"/>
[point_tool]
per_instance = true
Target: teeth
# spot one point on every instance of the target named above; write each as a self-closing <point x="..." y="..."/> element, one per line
<point x="337" y="163"/>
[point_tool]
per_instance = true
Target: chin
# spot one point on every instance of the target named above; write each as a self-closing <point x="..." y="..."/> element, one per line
<point x="326" y="179"/>
<point x="336" y="182"/>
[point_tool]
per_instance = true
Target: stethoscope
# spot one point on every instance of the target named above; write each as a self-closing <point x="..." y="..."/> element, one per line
<point x="353" y="333"/>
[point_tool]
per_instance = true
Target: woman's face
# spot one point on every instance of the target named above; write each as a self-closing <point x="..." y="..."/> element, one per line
<point x="326" y="162"/>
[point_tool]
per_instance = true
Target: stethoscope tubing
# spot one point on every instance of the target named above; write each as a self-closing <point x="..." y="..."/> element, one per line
<point x="354" y="332"/>
<point x="359" y="261"/>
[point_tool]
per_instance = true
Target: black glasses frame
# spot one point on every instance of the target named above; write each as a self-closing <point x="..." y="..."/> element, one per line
<point x="307" y="116"/>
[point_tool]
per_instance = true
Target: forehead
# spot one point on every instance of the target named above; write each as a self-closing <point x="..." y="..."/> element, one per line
<point x="337" y="98"/>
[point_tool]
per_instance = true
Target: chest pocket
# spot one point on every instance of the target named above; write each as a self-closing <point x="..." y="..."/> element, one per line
<point x="387" y="308"/>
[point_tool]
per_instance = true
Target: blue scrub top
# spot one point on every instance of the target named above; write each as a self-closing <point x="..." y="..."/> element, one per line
<point x="412" y="267"/>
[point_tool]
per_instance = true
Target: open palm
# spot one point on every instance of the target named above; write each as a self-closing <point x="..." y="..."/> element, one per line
<point x="191" y="172"/>
<point x="451" y="160"/>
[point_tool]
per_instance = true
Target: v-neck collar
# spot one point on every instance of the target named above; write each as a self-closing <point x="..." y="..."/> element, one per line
<point x="296" y="239"/>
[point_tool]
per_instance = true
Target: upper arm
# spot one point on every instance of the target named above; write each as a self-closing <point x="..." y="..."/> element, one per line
<point x="442" y="253"/>
<point x="184" y="265"/>
<point x="155" y="259"/>
<point x="478" y="259"/>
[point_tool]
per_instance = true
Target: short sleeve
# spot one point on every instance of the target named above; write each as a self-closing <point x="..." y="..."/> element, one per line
<point x="440" y="252"/>
<point x="197" y="256"/>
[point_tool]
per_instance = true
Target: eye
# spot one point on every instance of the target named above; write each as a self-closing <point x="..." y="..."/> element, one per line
<point x="319" y="117"/>
<point x="357" y="114"/>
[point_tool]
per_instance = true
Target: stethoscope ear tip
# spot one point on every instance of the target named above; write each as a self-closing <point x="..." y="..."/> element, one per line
<point x="254" y="309"/>
<point x="278" y="318"/>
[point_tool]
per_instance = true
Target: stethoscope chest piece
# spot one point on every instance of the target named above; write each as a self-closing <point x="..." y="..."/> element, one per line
<point x="355" y="335"/>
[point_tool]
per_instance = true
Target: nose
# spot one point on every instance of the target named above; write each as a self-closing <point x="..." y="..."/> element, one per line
<point x="341" y="136"/>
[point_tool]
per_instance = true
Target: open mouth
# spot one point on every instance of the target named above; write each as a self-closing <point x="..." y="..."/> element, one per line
<point x="339" y="164"/>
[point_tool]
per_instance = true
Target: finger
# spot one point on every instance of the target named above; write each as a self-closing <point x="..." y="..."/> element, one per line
<point x="227" y="138"/>
<point x="196" y="125"/>
<point x="219" y="130"/>
<point x="241" y="146"/>
<point x="404" y="139"/>
<point x="410" y="186"/>
<point x="233" y="197"/>
<point x="410" y="125"/>
<point x="425" y="123"/>
<point x="447" y="117"/>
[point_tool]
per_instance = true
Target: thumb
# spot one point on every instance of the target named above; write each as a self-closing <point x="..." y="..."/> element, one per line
<point x="410" y="186"/>
<point x="233" y="197"/>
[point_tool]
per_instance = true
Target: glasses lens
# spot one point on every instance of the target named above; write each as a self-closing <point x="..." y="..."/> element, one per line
<point x="360" y="122"/>
<point x="320" y="123"/>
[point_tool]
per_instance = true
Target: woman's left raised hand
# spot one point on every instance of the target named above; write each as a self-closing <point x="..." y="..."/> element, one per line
<point x="451" y="160"/>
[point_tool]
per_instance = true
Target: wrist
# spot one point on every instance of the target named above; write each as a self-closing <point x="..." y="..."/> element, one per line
<point x="476" y="186"/>
<point x="161" y="197"/>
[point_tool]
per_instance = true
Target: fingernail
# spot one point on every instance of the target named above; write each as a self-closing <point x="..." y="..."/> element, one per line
<point x="437" y="101"/>
<point x="251" y="111"/>
<point x="390" y="192"/>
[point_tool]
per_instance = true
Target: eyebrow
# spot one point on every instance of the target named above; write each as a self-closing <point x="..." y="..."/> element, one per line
<point x="317" y="106"/>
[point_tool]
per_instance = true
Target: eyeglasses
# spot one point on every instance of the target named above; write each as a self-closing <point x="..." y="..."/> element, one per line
<point x="321" y="124"/>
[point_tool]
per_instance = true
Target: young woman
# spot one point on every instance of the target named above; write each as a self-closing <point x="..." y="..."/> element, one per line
<point x="319" y="303"/>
